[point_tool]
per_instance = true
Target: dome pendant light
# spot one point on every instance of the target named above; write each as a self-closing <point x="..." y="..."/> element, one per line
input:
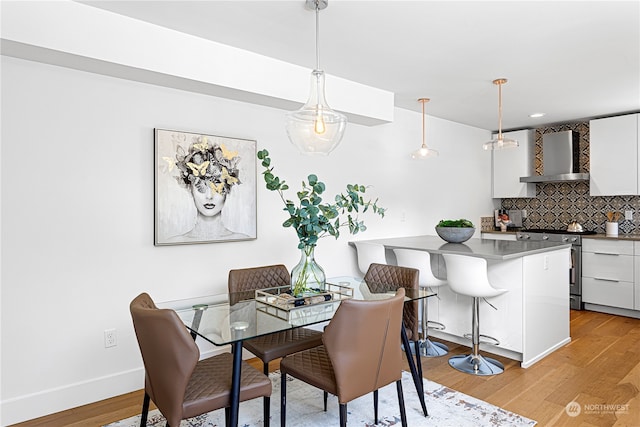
<point x="423" y="152"/>
<point x="316" y="128"/>
<point x="501" y="142"/>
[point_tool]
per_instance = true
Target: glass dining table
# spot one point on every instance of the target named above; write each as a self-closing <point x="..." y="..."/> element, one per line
<point x="229" y="319"/>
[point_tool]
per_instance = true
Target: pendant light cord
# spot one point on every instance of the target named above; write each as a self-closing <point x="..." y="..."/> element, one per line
<point x="317" y="36"/>
<point x="499" y="111"/>
<point x="424" y="145"/>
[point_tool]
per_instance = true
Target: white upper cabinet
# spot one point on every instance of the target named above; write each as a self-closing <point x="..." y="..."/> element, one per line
<point x="613" y="146"/>
<point x="512" y="163"/>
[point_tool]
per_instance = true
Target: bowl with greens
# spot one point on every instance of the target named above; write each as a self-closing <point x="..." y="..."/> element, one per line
<point x="455" y="230"/>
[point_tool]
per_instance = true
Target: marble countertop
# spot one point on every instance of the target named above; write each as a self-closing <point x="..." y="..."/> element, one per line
<point x="483" y="248"/>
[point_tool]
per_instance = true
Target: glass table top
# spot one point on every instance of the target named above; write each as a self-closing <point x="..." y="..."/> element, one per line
<point x="226" y="318"/>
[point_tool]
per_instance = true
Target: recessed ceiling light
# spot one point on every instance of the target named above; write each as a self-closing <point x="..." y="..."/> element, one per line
<point x="536" y="115"/>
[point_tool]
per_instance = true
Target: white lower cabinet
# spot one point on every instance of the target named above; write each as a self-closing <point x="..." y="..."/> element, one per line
<point x="608" y="273"/>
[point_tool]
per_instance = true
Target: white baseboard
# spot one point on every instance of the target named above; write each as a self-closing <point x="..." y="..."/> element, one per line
<point x="528" y="363"/>
<point x="51" y="401"/>
<point x="612" y="310"/>
<point x="509" y="354"/>
<point x="46" y="402"/>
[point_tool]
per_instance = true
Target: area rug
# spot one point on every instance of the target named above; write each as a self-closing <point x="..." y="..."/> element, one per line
<point x="447" y="408"/>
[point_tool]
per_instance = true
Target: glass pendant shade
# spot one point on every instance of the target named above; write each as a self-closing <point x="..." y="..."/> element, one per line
<point x="316" y="128"/>
<point x="423" y="152"/>
<point x="500" y="142"/>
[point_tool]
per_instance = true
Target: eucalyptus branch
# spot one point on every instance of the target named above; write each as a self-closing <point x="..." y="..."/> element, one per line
<point x="313" y="219"/>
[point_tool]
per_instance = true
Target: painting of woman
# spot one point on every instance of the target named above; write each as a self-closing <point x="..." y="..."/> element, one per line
<point x="205" y="188"/>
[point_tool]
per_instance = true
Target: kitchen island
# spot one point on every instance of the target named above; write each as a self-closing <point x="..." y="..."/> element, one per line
<point x="532" y="318"/>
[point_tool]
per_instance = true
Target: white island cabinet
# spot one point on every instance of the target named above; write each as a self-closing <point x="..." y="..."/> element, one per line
<point x="532" y="318"/>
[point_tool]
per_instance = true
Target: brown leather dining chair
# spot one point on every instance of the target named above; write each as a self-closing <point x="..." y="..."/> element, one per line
<point x="178" y="383"/>
<point x="384" y="277"/>
<point x="361" y="353"/>
<point x="242" y="285"/>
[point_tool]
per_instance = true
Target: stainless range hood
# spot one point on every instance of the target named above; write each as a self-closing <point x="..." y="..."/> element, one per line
<point x="560" y="159"/>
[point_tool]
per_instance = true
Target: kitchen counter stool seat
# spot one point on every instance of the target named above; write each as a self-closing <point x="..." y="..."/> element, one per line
<point x="421" y="260"/>
<point x="369" y="253"/>
<point x="468" y="275"/>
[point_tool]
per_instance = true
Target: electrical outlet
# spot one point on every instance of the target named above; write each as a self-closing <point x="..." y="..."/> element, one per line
<point x="110" y="338"/>
<point x="628" y="215"/>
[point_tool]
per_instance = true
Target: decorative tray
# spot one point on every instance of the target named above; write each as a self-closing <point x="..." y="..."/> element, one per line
<point x="280" y="303"/>
<point x="281" y="298"/>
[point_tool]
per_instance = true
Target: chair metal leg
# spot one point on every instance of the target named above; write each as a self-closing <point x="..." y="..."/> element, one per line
<point x="403" y="413"/>
<point x="266" y="411"/>
<point x="419" y="366"/>
<point x="343" y="415"/>
<point x="375" y="406"/>
<point x="227" y="416"/>
<point x="325" y="395"/>
<point x="417" y="380"/>
<point x="145" y="409"/>
<point x="283" y="399"/>
<point x="474" y="363"/>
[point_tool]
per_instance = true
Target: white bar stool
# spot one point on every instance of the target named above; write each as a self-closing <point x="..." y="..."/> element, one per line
<point x="369" y="253"/>
<point x="468" y="276"/>
<point x="421" y="260"/>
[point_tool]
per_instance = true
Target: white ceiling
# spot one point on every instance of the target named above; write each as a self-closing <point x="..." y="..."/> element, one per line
<point x="569" y="59"/>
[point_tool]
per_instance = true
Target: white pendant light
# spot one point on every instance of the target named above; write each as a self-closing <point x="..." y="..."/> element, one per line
<point x="501" y="142"/>
<point x="316" y="128"/>
<point x="423" y="152"/>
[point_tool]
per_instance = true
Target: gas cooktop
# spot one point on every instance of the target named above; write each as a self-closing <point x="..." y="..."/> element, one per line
<point x="552" y="231"/>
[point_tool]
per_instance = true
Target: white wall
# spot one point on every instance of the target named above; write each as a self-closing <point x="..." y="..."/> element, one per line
<point x="77" y="216"/>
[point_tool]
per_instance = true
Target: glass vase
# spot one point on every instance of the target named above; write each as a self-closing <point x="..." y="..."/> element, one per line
<point x="307" y="277"/>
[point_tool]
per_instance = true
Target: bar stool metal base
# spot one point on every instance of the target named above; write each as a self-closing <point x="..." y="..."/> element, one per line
<point x="430" y="348"/>
<point x="476" y="365"/>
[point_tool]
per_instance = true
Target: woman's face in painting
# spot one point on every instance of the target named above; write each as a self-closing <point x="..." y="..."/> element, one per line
<point x="209" y="202"/>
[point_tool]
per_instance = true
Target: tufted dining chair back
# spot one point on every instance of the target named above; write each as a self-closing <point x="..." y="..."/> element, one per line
<point x="385" y="277"/>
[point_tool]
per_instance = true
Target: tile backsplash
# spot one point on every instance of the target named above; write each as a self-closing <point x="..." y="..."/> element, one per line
<point x="558" y="203"/>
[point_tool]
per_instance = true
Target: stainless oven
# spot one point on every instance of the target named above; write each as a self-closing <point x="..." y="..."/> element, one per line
<point x="575" y="271"/>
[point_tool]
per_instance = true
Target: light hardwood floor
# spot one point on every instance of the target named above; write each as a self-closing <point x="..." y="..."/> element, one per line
<point x="601" y="366"/>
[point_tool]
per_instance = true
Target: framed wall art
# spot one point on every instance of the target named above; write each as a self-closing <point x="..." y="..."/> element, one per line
<point x="205" y="188"/>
